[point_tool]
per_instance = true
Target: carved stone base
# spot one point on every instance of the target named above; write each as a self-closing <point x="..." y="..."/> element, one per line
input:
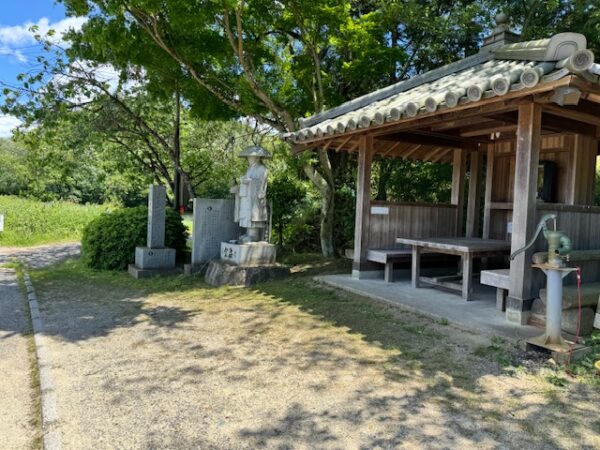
<point x="154" y="258"/>
<point x="221" y="273"/>
<point x="251" y="254"/>
<point x="137" y="272"/>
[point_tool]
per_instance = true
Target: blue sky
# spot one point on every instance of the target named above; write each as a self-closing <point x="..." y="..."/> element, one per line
<point x="17" y="46"/>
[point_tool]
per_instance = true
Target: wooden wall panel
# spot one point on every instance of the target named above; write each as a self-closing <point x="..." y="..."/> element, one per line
<point x="410" y="220"/>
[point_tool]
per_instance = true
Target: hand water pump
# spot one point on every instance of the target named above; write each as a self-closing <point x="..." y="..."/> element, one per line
<point x="553" y="265"/>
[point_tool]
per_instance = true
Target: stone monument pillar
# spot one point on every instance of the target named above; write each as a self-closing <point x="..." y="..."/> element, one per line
<point x="249" y="259"/>
<point x="155" y="258"/>
<point x="213" y="224"/>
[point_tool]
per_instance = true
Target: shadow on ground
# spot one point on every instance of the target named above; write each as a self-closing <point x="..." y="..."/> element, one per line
<point x="290" y="364"/>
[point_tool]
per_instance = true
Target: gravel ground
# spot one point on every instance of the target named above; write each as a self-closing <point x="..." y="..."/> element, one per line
<point x="175" y="364"/>
<point x="16" y="393"/>
<point x="41" y="256"/>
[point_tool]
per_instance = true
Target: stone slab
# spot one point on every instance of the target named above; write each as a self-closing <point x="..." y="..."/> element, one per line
<point x="154" y="258"/>
<point x="137" y="272"/>
<point x="589" y="295"/>
<point x="252" y="254"/>
<point x="221" y="273"/>
<point x="597" y="321"/>
<point x="157" y="197"/>
<point x="569" y="319"/>
<point x="213" y="224"/>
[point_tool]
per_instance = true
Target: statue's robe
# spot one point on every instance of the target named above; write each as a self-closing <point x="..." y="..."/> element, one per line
<point x="251" y="199"/>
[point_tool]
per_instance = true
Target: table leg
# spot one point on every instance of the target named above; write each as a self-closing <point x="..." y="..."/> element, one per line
<point x="416" y="266"/>
<point x="467" y="274"/>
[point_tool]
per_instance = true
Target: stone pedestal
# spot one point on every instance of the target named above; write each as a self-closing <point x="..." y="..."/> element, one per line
<point x="221" y="273"/>
<point x="154" y="258"/>
<point x="252" y="254"/>
<point x="245" y="265"/>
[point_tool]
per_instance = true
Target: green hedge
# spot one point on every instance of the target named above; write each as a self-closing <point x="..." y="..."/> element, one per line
<point x="109" y="241"/>
<point x="31" y="222"/>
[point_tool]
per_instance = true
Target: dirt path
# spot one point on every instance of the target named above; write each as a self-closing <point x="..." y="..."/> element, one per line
<point x="42" y="255"/>
<point x="16" y="394"/>
<point x="174" y="364"/>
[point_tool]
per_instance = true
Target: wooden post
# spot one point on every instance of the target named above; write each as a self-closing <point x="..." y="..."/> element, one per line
<point x="363" y="204"/>
<point x="474" y="195"/>
<point x="583" y="170"/>
<point x="524" y="211"/>
<point x="459" y="165"/>
<point x="489" y="180"/>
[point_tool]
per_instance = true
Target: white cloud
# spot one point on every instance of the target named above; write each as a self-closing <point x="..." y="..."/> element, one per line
<point x="13" y="39"/>
<point x="7" y="124"/>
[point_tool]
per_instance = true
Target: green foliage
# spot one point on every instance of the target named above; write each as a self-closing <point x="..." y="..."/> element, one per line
<point x="30" y="222"/>
<point x="13" y="176"/>
<point x="110" y="240"/>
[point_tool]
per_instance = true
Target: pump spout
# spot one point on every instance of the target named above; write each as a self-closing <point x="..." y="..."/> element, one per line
<point x="541" y="226"/>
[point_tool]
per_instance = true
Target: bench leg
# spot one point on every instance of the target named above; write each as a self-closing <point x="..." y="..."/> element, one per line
<point x="467" y="276"/>
<point x="388" y="273"/>
<point x="415" y="272"/>
<point x="501" y="299"/>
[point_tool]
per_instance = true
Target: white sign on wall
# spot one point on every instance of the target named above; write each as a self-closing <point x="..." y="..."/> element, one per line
<point x="380" y="210"/>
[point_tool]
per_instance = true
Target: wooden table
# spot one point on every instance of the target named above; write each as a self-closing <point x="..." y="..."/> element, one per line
<point x="466" y="248"/>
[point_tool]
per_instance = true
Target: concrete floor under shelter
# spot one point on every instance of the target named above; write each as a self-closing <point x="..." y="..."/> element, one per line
<point x="478" y="315"/>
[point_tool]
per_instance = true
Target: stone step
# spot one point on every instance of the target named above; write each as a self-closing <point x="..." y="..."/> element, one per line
<point x="568" y="320"/>
<point x="589" y="295"/>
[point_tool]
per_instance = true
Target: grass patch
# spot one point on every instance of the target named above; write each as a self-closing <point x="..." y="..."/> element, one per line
<point x="31" y="222"/>
<point x="584" y="369"/>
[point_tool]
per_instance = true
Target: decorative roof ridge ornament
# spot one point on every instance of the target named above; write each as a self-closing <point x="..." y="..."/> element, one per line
<point x="556" y="48"/>
<point x="501" y="35"/>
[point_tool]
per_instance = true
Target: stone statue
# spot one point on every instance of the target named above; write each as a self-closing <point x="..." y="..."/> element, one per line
<point x="251" y="195"/>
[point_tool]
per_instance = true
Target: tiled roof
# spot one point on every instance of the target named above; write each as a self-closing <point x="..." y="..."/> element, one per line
<point x="510" y="68"/>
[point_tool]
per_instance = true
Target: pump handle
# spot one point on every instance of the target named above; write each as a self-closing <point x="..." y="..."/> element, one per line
<point x="541" y="226"/>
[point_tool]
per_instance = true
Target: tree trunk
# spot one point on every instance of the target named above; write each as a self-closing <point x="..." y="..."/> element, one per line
<point x="327" y="221"/>
<point x="177" y="149"/>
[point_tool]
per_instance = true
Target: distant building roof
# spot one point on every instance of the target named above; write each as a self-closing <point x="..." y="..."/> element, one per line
<point x="499" y="68"/>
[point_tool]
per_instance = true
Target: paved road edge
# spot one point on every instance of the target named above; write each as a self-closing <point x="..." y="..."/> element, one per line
<point x="51" y="434"/>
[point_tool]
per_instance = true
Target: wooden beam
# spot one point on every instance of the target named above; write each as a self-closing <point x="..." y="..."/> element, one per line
<point x="489" y="183"/>
<point x="482" y="130"/>
<point x="574" y="113"/>
<point x="559" y="124"/>
<point x="343" y="144"/>
<point x="457" y="197"/>
<point x="472" y="226"/>
<point x="529" y="135"/>
<point x="441" y="155"/>
<point x="433" y="153"/>
<point x="392" y="148"/>
<point x="363" y="203"/>
<point x="436" y="139"/>
<point x="411" y="151"/>
<point x="459" y="123"/>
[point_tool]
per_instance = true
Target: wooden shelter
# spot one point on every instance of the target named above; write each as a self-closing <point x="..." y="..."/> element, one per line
<point x="504" y="112"/>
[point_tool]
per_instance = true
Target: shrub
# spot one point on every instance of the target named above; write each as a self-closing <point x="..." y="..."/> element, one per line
<point x="109" y="241"/>
<point x="31" y="222"/>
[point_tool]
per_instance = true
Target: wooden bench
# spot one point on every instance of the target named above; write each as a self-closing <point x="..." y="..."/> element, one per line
<point x="499" y="279"/>
<point x="389" y="257"/>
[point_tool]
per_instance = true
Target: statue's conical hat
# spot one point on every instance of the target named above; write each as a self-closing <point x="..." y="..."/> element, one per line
<point x="254" y="150"/>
